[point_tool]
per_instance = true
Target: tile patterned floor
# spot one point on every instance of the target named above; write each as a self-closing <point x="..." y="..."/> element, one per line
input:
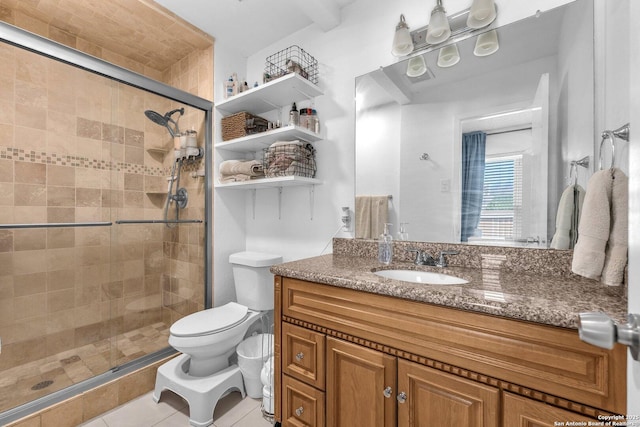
<point x="35" y="379"/>
<point x="173" y="411"/>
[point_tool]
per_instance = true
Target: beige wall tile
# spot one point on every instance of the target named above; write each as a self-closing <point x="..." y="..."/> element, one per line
<point x="30" y="195"/>
<point x="6" y="240"/>
<point x="88" y="197"/>
<point x="100" y="400"/>
<point x="61" y="175"/>
<point x="60" y="238"/>
<point x="60" y="259"/>
<point x="30" y="239"/>
<point x="31" y="117"/>
<point x="30" y="95"/>
<point x="60" y="300"/>
<point x="65" y="414"/>
<point x="29" y="284"/>
<point x="89" y="128"/>
<point x="61" y="196"/>
<point x="61" y="279"/>
<point x="30" y="306"/>
<point x="7" y="199"/>
<point x="133" y="155"/>
<point x="61" y="214"/>
<point x="28" y="138"/>
<point x="30" y="173"/>
<point x="27" y="262"/>
<point x="6" y="170"/>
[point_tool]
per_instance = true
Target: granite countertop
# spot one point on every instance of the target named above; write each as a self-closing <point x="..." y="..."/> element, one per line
<point x="549" y="300"/>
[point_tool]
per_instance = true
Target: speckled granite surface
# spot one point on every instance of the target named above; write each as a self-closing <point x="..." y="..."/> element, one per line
<point x="553" y="299"/>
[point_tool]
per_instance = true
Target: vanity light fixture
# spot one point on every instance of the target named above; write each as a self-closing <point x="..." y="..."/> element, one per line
<point x="439" y="29"/>
<point x="486" y="44"/>
<point x="448" y="56"/>
<point x="481" y="14"/>
<point x="416" y="66"/>
<point x="402" y="42"/>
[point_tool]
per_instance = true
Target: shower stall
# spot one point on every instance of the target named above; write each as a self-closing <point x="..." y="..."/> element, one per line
<point x="104" y="224"/>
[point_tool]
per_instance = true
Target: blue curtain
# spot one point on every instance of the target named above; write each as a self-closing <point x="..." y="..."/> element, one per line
<point x="473" y="151"/>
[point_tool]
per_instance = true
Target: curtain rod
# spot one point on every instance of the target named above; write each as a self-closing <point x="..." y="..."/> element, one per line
<point x="508" y="131"/>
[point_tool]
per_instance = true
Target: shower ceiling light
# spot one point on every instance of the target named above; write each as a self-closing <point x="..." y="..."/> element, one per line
<point x="402" y="43"/>
<point x="439" y="29"/>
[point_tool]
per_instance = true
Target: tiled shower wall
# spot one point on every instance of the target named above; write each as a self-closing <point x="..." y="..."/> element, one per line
<point x="74" y="148"/>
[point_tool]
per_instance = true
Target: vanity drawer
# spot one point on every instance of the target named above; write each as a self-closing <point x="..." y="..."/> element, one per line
<point x="302" y="405"/>
<point x="303" y="354"/>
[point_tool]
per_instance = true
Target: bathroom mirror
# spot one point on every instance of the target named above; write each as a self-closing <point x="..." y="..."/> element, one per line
<point x="532" y="99"/>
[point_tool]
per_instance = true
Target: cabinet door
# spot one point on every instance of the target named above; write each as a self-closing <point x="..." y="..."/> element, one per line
<point x="434" y="398"/>
<point x="522" y="412"/>
<point x="360" y="386"/>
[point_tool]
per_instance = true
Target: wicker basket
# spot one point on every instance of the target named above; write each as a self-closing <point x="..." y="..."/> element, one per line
<point x="242" y="124"/>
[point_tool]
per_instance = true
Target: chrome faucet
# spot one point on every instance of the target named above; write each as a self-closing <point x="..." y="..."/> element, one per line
<point x="442" y="262"/>
<point x="422" y="258"/>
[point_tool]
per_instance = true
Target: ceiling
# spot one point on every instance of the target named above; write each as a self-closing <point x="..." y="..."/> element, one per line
<point x="249" y="26"/>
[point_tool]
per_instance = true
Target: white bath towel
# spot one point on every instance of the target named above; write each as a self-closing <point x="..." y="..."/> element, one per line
<point x="568" y="217"/>
<point x="594" y="228"/>
<point x="370" y="214"/>
<point x="615" y="259"/>
<point x="244" y="167"/>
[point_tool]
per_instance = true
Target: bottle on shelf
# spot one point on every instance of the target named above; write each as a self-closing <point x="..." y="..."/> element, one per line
<point x="385" y="246"/>
<point x="304" y="118"/>
<point x="294" y="116"/>
<point x="314" y="122"/>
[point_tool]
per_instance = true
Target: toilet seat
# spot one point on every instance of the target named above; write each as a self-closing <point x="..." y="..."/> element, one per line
<point x="210" y="321"/>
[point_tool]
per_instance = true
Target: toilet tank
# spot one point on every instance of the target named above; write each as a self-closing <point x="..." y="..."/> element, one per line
<point x="253" y="280"/>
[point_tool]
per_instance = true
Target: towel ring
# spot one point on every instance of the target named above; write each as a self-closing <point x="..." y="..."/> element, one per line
<point x="607" y="134"/>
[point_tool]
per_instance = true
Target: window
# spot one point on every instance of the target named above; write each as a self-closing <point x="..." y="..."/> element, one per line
<point x="501" y="214"/>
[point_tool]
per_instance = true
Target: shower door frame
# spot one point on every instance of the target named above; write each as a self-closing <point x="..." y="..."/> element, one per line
<point x="53" y="50"/>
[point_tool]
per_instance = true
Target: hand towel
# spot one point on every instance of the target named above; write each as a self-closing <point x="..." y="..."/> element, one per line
<point x="615" y="259"/>
<point x="593" y="231"/>
<point x="379" y="215"/>
<point x="567" y="217"/>
<point x="363" y="217"/>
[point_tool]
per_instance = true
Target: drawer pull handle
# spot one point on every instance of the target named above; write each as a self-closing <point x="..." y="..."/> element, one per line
<point x="402" y="397"/>
<point x="387" y="392"/>
<point x="299" y="356"/>
<point x="299" y="411"/>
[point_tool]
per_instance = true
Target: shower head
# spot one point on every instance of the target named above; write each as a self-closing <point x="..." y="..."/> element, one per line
<point x="161" y="120"/>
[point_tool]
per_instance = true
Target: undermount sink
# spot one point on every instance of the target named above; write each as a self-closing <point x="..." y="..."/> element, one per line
<point x="426" y="277"/>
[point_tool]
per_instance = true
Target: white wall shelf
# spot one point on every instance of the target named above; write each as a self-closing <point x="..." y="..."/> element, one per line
<point x="262" y="140"/>
<point x="269" y="96"/>
<point x="278" y="182"/>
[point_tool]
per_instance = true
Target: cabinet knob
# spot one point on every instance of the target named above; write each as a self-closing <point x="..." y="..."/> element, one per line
<point x="299" y="411"/>
<point x="387" y="392"/>
<point x="402" y="397"/>
<point x="299" y="356"/>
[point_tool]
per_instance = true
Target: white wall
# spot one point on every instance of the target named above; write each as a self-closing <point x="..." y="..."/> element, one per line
<point x="361" y="43"/>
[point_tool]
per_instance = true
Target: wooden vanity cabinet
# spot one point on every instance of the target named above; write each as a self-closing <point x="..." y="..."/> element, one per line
<point x="351" y="358"/>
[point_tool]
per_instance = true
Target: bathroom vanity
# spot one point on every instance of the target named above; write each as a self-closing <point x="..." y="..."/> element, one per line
<point x="355" y="349"/>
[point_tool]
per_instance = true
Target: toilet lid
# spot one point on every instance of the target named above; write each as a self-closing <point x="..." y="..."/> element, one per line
<point x="209" y="321"/>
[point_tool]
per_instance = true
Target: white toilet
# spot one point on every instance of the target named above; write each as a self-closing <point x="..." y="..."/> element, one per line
<point x="202" y="374"/>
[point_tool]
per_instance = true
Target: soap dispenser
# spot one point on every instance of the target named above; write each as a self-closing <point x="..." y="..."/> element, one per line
<point x="385" y="246"/>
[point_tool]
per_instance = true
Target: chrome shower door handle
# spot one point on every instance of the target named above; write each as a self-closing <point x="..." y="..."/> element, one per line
<point x="600" y="330"/>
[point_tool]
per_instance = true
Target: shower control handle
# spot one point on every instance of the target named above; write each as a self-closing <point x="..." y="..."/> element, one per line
<point x="299" y="356"/>
<point x="600" y="330"/>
